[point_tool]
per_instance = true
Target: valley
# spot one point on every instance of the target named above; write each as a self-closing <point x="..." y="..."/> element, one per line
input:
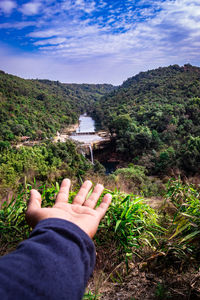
<point x="141" y="140"/>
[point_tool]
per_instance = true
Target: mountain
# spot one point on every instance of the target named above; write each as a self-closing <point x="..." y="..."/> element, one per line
<point x="38" y="108"/>
<point x="155" y="117"/>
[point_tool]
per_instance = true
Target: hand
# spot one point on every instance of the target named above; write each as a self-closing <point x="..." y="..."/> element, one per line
<point x="81" y="212"/>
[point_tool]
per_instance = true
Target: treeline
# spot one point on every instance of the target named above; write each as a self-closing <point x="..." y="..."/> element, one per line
<point x="38" y="108"/>
<point x="155" y="117"/>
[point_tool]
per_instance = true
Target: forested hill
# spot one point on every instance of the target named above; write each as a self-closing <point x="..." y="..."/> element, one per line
<point x="156" y="118"/>
<point x="38" y="108"/>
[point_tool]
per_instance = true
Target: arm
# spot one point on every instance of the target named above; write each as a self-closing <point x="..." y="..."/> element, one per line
<point x="58" y="258"/>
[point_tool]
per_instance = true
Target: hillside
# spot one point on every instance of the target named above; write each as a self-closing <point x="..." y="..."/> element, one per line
<point x="155" y="116"/>
<point x="148" y="243"/>
<point x="38" y="108"/>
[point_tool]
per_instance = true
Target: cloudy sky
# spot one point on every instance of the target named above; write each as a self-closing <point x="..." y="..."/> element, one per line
<point x="96" y="41"/>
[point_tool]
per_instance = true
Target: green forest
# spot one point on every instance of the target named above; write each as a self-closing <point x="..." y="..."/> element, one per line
<point x="155" y="118"/>
<point x="39" y="108"/>
<point x="148" y="244"/>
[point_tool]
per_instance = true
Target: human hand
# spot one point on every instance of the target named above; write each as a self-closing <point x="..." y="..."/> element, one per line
<point x="81" y="212"/>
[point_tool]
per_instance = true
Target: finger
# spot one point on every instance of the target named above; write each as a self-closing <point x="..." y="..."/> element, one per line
<point x="64" y="191"/>
<point x="103" y="207"/>
<point x="84" y="190"/>
<point x="34" y="201"/>
<point x="92" y="200"/>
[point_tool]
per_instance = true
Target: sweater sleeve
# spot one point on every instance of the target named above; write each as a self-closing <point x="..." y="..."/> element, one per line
<point x="54" y="263"/>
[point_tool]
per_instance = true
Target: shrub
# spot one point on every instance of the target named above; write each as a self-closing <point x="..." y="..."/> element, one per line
<point x="129" y="223"/>
<point x="186" y="222"/>
<point x="134" y="179"/>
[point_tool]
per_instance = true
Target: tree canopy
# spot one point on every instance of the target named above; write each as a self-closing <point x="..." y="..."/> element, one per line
<point x="38" y="108"/>
<point x="156" y="114"/>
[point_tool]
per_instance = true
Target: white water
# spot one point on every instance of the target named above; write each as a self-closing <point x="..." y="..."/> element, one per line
<point x="86" y="124"/>
<point x="86" y="138"/>
<point x="91" y="153"/>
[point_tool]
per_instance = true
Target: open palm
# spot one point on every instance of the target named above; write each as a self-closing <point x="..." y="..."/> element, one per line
<point x="81" y="212"/>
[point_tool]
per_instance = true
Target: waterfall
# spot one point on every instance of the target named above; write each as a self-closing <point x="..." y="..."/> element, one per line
<point x="91" y="153"/>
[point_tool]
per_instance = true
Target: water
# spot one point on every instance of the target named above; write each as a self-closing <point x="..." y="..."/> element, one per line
<point x="87" y="139"/>
<point x="91" y="153"/>
<point x="86" y="124"/>
<point x="110" y="167"/>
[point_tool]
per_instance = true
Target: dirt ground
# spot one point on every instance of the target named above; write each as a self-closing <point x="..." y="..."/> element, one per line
<point x="146" y="283"/>
<point x="151" y="277"/>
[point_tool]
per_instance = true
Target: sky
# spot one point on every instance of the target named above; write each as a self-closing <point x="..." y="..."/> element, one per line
<point x="96" y="41"/>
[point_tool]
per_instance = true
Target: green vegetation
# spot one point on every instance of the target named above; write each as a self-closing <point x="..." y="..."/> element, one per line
<point x="186" y="220"/>
<point x="155" y="118"/>
<point x="134" y="178"/>
<point x="130" y="223"/>
<point x="44" y="163"/>
<point x="91" y="296"/>
<point x="130" y="229"/>
<point x="39" y="108"/>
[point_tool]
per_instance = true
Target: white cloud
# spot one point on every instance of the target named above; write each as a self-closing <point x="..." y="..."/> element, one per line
<point x="107" y="69"/>
<point x="7" y="6"/>
<point x="88" y="7"/>
<point x="17" y="25"/>
<point x="110" y="47"/>
<point x="78" y="6"/>
<point x="45" y="33"/>
<point x="166" y="30"/>
<point x="31" y="8"/>
<point x="158" y="40"/>
<point x="53" y="41"/>
<point x="74" y="31"/>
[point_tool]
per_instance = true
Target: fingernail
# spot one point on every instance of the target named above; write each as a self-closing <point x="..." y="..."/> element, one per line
<point x="87" y="182"/>
<point x="100" y="185"/>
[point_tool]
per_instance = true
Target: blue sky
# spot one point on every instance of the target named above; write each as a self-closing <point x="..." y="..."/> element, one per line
<point x="97" y="41"/>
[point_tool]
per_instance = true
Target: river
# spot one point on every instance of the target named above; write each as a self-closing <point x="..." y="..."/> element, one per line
<point x="86" y="125"/>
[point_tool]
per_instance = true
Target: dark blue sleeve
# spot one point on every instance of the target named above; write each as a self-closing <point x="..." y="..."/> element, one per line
<point x="54" y="263"/>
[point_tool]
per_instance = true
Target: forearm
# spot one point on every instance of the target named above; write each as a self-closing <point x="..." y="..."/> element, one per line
<point x="54" y="263"/>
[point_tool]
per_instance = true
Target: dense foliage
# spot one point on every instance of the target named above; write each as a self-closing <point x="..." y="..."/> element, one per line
<point x="134" y="179"/>
<point x="42" y="163"/>
<point x="155" y="117"/>
<point x="38" y="108"/>
<point x="128" y="222"/>
<point x="186" y="220"/>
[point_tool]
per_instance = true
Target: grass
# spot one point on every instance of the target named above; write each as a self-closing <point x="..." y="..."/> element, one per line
<point x="129" y="226"/>
<point x="185" y="226"/>
<point x="161" y="292"/>
<point x="90" y="296"/>
<point x="130" y="222"/>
